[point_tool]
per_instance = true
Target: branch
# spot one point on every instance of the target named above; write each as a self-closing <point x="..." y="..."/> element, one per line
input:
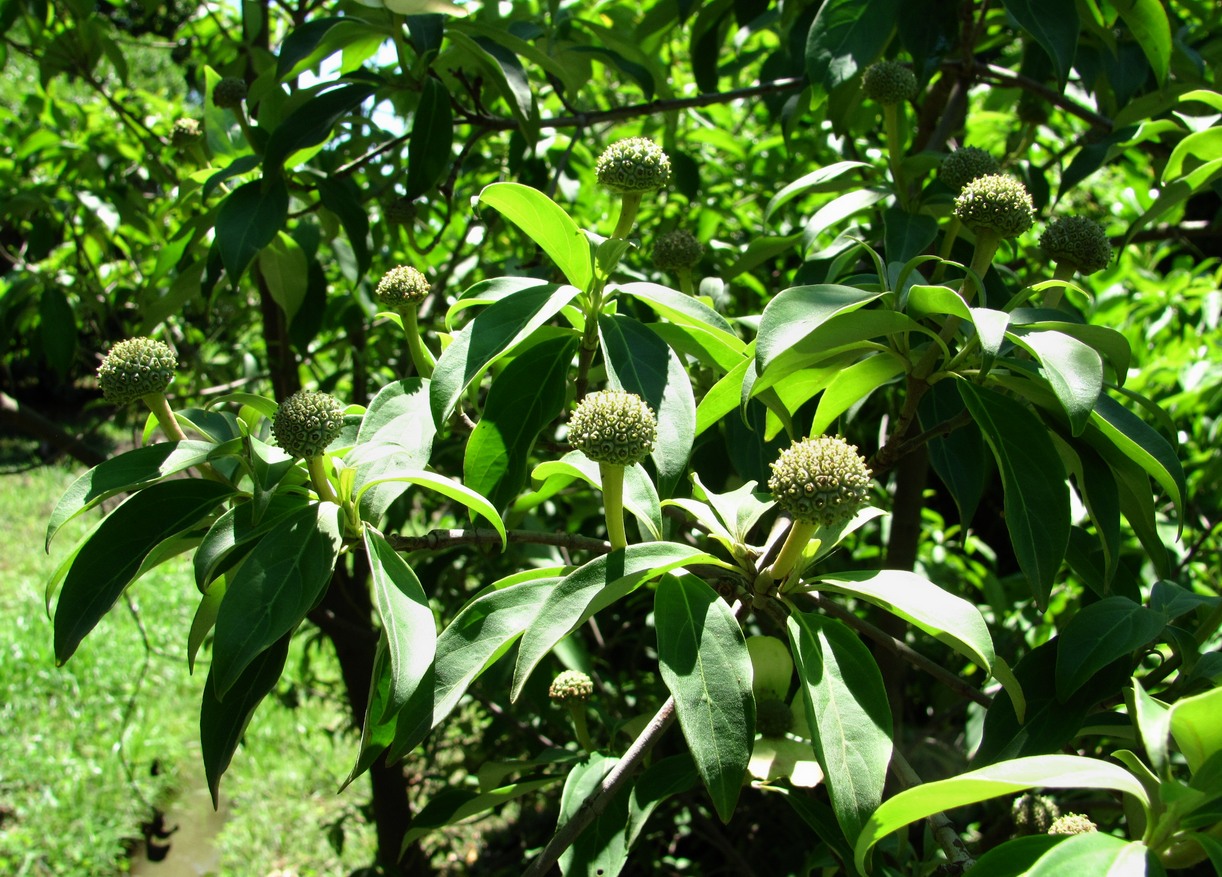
<point x="1002" y="76"/>
<point x="25" y="419"/>
<point x="944" y="831"/>
<point x="436" y="540"/>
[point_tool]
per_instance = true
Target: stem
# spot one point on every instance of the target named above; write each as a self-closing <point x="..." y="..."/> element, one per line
<point x="948" y="242"/>
<point x="943" y="829"/>
<point x="630" y="202"/>
<point x="685" y="281"/>
<point x="165" y="417"/>
<point x="580" y="728"/>
<point x="422" y="357"/>
<point x="799" y="535"/>
<point x="613" y="501"/>
<point x="987" y="242"/>
<point x="1064" y="271"/>
<point x="891" y="125"/>
<point x="318" y="476"/>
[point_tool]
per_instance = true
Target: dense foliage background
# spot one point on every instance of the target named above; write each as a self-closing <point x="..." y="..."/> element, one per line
<point x="1042" y="448"/>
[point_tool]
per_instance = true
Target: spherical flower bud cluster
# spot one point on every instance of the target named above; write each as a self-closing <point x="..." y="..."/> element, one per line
<point x="401" y="286"/>
<point x="966" y="164"/>
<point x="996" y="203"/>
<point x="185" y="132"/>
<point x="676" y="250"/>
<point x="1034" y="814"/>
<point x="306" y="422"/>
<point x="613" y="426"/>
<point x="888" y="82"/>
<point x="571" y="686"/>
<point x="135" y="368"/>
<point x="820" y="481"/>
<point x="1072" y="823"/>
<point x="634" y="165"/>
<point x="1079" y="242"/>
<point x="773" y="718"/>
<point x="229" y="93"/>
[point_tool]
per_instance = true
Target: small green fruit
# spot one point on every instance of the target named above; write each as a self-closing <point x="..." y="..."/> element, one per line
<point x="134" y="369"/>
<point x="1072" y="823"/>
<point x="888" y="82"/>
<point x="613" y="426"/>
<point x="773" y="718"/>
<point x="306" y="422"/>
<point x="571" y="686"/>
<point x="631" y="166"/>
<point x="1078" y="242"/>
<point x="966" y="164"/>
<point x="401" y="286"/>
<point x="996" y="203"/>
<point x="229" y="93"/>
<point x="822" y="481"/>
<point x="676" y="250"/>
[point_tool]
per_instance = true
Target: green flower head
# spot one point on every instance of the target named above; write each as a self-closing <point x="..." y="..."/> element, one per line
<point x="888" y="82"/>
<point x="995" y="203"/>
<point x="571" y="686"/>
<point x="634" y="165"/>
<point x="966" y="164"/>
<point x="676" y="250"/>
<point x="185" y="132"/>
<point x="134" y="369"/>
<point x="229" y="93"/>
<point x="613" y="426"/>
<point x="1072" y="823"/>
<point x="401" y="286"/>
<point x="306" y="422"/>
<point x="1034" y="814"/>
<point x="821" y="481"/>
<point x="1079" y="242"/>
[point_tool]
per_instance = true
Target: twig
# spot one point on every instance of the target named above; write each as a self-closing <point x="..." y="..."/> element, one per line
<point x="944" y="831"/>
<point x="1002" y="76"/>
<point x="435" y="540"/>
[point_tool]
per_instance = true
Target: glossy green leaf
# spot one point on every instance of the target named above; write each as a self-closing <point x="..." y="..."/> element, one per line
<point x="1014" y="857"/>
<point x="377" y="735"/>
<point x="1054" y="26"/>
<point x="223" y="722"/>
<point x="798" y="311"/>
<point x="640" y="362"/>
<point x="852" y="385"/>
<point x="1099" y="634"/>
<point x="1033" y="477"/>
<point x="131" y="470"/>
<point x="1174" y="193"/>
<point x="1073" y="369"/>
<point x="951" y="620"/>
<point x="455" y="804"/>
<point x="284" y="268"/>
<point x="907" y="235"/>
<point x="302" y="41"/>
<point x="1153" y="721"/>
<point x="494" y="332"/>
<point x="704" y="662"/>
<point x="279" y="582"/>
<point x="1195" y="726"/>
<point x="680" y="308"/>
<point x="1143" y="445"/>
<point x="525" y="397"/>
<point x="848" y="714"/>
<point x="504" y="72"/>
<point x="1147" y="21"/>
<point x="203" y="621"/>
<point x="1194" y="151"/>
<point x="248" y="221"/>
<point x="545" y="223"/>
<point x="396" y="433"/>
<point x="311" y="123"/>
<point x="113" y="555"/>
<point x="845" y="37"/>
<point x="723" y="397"/>
<point x="407" y="620"/>
<point x="235" y="532"/>
<point x="432" y="137"/>
<point x="1093" y="853"/>
<point x="455" y="490"/>
<point x="1007" y="778"/>
<point x="343" y="197"/>
<point x="831" y="178"/>
<point x="839" y="209"/>
<point x="640" y="496"/>
<point x="958" y="458"/>
<point x="591" y="588"/>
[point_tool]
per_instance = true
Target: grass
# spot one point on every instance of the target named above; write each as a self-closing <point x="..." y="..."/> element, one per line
<point x="87" y="750"/>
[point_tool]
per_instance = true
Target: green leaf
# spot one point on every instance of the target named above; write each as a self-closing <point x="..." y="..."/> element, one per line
<point x="949" y="619"/>
<point x="796" y="312"/>
<point x="455" y="804"/>
<point x="640" y="362"/>
<point x="302" y="41"/>
<point x="547" y="224"/>
<point x="279" y="582"/>
<point x="852" y="385"/>
<point x="1094" y="853"/>
<point x="1054" y="26"/>
<point x="1153" y="721"/>
<point x="1073" y="369"/>
<point x="525" y="397"/>
<point x="203" y="621"/>
<point x="848" y="714"/>
<point x="311" y="123"/>
<point x="1147" y="20"/>
<point x="506" y="74"/>
<point x="248" y="221"/>
<point x="826" y="179"/>
<point x="396" y="433"/>
<point x="640" y="496"/>
<point x="432" y="138"/>
<point x="839" y="209"/>
<point x="1099" y="634"/>
<point x="593" y="587"/>
<point x="1145" y="446"/>
<point x="1033" y="477"/>
<point x="845" y="37"/>
<point x="493" y="333"/>
<point x="407" y="620"/>
<point x="113" y="555"/>
<point x="235" y="532"/>
<point x="682" y="309"/>
<point x="907" y="234"/>
<point x="129" y="471"/>
<point x="376" y="735"/>
<point x="1195" y="726"/>
<point x="1014" y="857"/>
<point x="284" y="267"/>
<point x="1005" y="778"/>
<point x="1174" y="193"/>
<point x="455" y="490"/>
<point x="343" y="197"/>
<point x="704" y="662"/>
<point x="223" y="722"/>
<point x="958" y="458"/>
